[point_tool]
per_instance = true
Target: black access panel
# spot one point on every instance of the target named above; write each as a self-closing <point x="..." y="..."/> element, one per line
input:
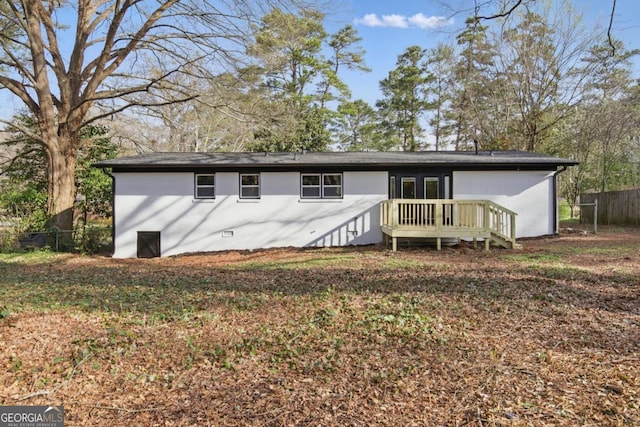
<point x="148" y="244"/>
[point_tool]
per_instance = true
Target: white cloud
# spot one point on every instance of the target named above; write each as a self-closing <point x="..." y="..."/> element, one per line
<point x="428" y="22"/>
<point x="418" y="20"/>
<point x="372" y="20"/>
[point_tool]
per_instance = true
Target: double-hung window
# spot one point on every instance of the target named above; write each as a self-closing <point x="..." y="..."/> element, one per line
<point x="321" y="185"/>
<point x="205" y="187"/>
<point x="310" y="186"/>
<point x="250" y="186"/>
<point x="332" y="185"/>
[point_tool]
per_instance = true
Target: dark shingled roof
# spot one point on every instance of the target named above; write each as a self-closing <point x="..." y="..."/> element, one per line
<point x="345" y="160"/>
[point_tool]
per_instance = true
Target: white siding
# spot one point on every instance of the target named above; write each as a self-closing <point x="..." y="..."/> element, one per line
<point x="164" y="202"/>
<point x="528" y="193"/>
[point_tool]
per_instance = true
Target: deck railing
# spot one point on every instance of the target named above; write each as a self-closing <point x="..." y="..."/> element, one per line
<point x="447" y="218"/>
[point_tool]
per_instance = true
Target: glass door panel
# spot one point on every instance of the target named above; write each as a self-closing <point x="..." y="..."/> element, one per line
<point x="392" y="187"/>
<point x="408" y="188"/>
<point x="432" y="187"/>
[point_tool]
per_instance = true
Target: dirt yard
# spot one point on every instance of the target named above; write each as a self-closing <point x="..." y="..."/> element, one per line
<point x="544" y="336"/>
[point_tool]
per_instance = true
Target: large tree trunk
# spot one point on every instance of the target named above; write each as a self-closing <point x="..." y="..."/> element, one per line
<point x="62" y="166"/>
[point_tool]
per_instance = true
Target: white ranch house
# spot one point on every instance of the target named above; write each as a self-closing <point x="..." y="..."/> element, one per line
<point x="172" y="203"/>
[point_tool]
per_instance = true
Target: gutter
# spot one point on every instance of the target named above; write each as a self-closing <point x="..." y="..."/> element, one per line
<point x="350" y="166"/>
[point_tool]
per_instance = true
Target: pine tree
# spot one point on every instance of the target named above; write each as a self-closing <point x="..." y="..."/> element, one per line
<point x="404" y="103"/>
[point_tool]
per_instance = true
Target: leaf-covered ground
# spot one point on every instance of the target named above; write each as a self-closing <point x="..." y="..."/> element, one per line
<point x="549" y="335"/>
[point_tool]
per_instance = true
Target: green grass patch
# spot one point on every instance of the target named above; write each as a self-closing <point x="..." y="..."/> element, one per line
<point x="320" y="260"/>
<point x="32" y="257"/>
<point x="398" y="261"/>
<point x="535" y="258"/>
<point x="564" y="211"/>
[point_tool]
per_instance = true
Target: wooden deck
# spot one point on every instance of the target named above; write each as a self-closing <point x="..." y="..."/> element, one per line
<point x="445" y="218"/>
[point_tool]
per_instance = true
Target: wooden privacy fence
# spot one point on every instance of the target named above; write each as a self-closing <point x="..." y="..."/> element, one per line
<point x="614" y="207"/>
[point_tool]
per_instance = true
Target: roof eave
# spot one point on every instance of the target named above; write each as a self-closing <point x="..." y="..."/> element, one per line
<point x="346" y="166"/>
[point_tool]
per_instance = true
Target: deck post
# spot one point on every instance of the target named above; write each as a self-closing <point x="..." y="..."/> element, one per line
<point x="394" y="213"/>
<point x="513" y="227"/>
<point x="438" y="243"/>
<point x="394" y="244"/>
<point x="487" y="242"/>
<point x="486" y="217"/>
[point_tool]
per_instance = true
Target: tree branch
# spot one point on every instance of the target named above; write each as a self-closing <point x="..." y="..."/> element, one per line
<point x="609" y="30"/>
<point x="502" y="14"/>
<point x="25" y="130"/>
<point x="20" y="90"/>
<point x="130" y="105"/>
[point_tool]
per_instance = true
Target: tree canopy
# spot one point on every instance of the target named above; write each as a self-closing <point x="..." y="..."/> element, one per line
<point x="266" y="75"/>
<point x="73" y="63"/>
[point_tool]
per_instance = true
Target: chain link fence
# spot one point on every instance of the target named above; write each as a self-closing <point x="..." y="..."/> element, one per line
<point x="88" y="239"/>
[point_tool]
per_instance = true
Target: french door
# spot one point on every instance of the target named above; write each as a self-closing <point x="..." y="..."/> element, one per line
<point x="420" y="186"/>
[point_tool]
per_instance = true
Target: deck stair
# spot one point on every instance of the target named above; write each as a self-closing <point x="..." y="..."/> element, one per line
<point x="446" y="219"/>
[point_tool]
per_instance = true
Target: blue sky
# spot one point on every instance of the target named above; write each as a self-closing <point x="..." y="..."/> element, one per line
<point x="388" y="27"/>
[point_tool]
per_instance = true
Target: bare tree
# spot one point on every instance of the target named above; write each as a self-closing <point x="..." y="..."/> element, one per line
<point x="499" y="9"/>
<point x="72" y="63"/>
<point x="541" y="60"/>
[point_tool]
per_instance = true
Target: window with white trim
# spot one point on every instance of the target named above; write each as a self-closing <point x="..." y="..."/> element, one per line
<point x="332" y="185"/>
<point x="205" y="186"/>
<point x="321" y="185"/>
<point x="310" y="186"/>
<point x="250" y="186"/>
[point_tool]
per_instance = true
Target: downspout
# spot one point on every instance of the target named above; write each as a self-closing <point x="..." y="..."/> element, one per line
<point x="556" y="213"/>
